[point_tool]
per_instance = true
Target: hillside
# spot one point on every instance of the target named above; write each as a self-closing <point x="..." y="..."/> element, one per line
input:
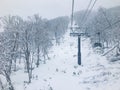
<point x="62" y="72"/>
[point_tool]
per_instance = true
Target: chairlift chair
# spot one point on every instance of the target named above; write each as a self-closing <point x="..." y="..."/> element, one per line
<point x="97" y="44"/>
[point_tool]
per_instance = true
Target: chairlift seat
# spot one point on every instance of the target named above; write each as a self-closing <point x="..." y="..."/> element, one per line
<point x="97" y="45"/>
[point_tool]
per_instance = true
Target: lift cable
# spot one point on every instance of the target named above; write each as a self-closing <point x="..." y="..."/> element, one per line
<point x="72" y="15"/>
<point x="89" y="12"/>
<point x="106" y="17"/>
<point x="109" y="26"/>
<point x="112" y="24"/>
<point x="84" y="15"/>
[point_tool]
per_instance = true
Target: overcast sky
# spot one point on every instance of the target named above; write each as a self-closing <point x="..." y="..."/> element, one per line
<point x="48" y="8"/>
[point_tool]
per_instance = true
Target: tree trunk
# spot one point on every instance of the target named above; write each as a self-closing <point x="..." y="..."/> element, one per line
<point x="27" y="56"/>
<point x="10" y="66"/>
<point x="15" y="65"/>
<point x="38" y="57"/>
<point x="28" y="64"/>
<point x="13" y="50"/>
<point x="7" y="75"/>
<point x="44" y="59"/>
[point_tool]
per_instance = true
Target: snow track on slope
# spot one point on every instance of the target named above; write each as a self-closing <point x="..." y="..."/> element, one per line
<point x="62" y="72"/>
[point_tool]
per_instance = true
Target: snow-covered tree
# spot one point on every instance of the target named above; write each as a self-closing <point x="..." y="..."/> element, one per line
<point x="5" y="57"/>
<point x="58" y="26"/>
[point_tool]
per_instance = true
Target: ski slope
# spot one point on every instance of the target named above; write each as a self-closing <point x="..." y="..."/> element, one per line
<point x="62" y="72"/>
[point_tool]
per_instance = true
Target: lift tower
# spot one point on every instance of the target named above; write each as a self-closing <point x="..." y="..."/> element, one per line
<point x="76" y="31"/>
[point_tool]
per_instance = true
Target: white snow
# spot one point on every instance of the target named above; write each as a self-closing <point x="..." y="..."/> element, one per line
<point x="62" y="72"/>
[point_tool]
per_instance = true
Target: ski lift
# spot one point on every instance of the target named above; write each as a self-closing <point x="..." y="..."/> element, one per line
<point x="77" y="31"/>
<point x="98" y="44"/>
<point x="74" y="30"/>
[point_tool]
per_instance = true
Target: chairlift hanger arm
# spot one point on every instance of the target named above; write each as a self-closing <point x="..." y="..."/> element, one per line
<point x="78" y="34"/>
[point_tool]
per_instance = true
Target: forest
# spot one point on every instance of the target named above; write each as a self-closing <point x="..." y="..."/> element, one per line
<point x="26" y="42"/>
<point x="104" y="21"/>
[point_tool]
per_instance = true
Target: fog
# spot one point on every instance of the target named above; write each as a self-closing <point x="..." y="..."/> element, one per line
<point x="48" y="8"/>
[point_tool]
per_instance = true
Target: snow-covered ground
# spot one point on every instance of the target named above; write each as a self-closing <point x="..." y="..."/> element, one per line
<point x="62" y="72"/>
